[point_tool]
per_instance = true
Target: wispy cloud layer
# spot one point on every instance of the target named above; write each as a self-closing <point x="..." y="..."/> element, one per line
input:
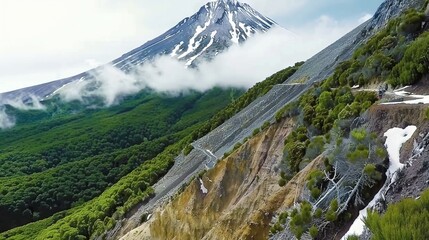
<point x="240" y="66"/>
<point x="8" y="121"/>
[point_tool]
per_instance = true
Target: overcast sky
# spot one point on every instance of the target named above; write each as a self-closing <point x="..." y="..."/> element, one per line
<point x="45" y="40"/>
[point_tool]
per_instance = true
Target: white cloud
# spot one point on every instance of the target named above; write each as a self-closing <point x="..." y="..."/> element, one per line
<point x="62" y="39"/>
<point x="46" y="40"/>
<point x="32" y="104"/>
<point x="6" y="121"/>
<point x="365" y="18"/>
<point x="240" y="66"/>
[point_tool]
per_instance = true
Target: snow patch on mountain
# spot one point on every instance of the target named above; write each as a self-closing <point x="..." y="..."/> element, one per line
<point x="395" y="137"/>
<point x="212" y="35"/>
<point x="234" y="34"/>
<point x="176" y="49"/>
<point x="217" y="26"/>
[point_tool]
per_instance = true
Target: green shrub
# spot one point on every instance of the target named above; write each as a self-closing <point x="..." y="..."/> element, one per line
<point x="188" y="149"/>
<point x="282" y="182"/>
<point x="300" y="220"/>
<point x="331" y="214"/>
<point x="256" y="131"/>
<point x="313" y="231"/>
<point x="265" y="125"/>
<point x="314" y="180"/>
<point x="371" y="171"/>
<point x="407" y="219"/>
<point x="237" y="146"/>
<point x="414" y="65"/>
<point x="283" y="217"/>
<point x="290" y="110"/>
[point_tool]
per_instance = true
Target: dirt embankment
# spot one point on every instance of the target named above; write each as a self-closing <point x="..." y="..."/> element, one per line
<point x="242" y="195"/>
<point x="383" y="117"/>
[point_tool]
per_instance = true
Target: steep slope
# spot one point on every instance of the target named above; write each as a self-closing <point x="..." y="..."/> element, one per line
<point x="323" y="64"/>
<point x="120" y="199"/>
<point x="237" y="198"/>
<point x="206" y="149"/>
<point x="223" y="138"/>
<point x="215" y="27"/>
<point x="206" y="152"/>
<point x="313" y="71"/>
<point x="414" y="153"/>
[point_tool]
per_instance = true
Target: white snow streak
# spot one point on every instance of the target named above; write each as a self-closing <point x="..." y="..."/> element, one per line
<point x="234" y="31"/>
<point x="247" y="29"/>
<point x="401" y="89"/>
<point x="262" y="20"/>
<point x="418" y="99"/>
<point x="192" y="46"/>
<point x="212" y="35"/>
<point x="61" y="88"/>
<point x="176" y="48"/>
<point x="395" y="138"/>
<point x="202" y="187"/>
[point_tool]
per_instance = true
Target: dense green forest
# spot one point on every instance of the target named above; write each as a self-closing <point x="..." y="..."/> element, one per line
<point x="53" y="160"/>
<point x="88" y="219"/>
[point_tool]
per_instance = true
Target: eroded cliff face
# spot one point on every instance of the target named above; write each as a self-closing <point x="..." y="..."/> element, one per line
<point x="414" y="178"/>
<point x="241" y="199"/>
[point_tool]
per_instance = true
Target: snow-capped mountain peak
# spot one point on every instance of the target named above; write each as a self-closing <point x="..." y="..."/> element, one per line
<point x="215" y="27"/>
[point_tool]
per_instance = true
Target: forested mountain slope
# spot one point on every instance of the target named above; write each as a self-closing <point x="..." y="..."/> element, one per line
<point x="178" y="116"/>
<point x="296" y="156"/>
<point x="58" y="158"/>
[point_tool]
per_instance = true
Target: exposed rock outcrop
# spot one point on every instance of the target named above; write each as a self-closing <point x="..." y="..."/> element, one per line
<point x="242" y="195"/>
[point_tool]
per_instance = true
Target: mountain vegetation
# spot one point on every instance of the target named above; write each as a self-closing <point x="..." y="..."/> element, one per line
<point x="397" y="54"/>
<point x="65" y="159"/>
<point x="407" y="219"/>
<point x="75" y="169"/>
<point x="328" y="121"/>
<point x="126" y="173"/>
